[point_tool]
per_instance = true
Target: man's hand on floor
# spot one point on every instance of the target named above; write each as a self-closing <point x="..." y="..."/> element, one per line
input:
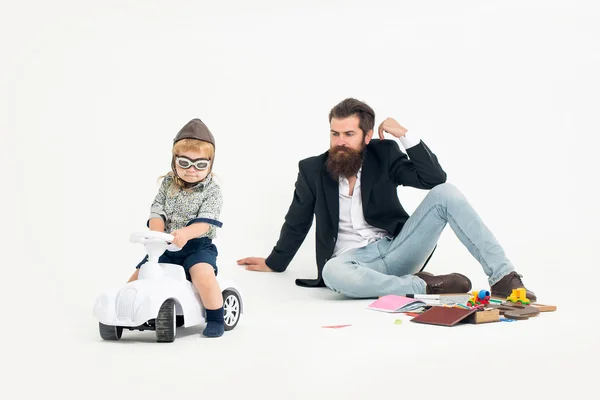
<point x="255" y="264"/>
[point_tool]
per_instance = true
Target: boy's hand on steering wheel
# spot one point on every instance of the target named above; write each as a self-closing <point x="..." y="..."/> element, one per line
<point x="180" y="238"/>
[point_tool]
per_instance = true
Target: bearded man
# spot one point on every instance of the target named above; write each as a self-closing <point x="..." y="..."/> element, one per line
<point x="366" y="243"/>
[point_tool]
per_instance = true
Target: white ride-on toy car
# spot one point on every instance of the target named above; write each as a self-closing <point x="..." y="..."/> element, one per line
<point x="161" y="299"/>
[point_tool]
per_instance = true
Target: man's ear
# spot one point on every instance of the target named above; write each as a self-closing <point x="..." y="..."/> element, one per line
<point x="368" y="137"/>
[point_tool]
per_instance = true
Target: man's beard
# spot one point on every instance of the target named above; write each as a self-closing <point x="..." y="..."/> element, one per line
<point x="344" y="161"/>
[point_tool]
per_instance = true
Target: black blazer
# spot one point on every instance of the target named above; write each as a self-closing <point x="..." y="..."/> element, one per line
<point x="384" y="167"/>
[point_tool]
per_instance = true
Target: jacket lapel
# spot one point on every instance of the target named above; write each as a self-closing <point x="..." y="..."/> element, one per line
<point x="367" y="177"/>
<point x="331" y="188"/>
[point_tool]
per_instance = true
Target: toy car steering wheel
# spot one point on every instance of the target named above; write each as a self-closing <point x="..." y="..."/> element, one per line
<point x="154" y="236"/>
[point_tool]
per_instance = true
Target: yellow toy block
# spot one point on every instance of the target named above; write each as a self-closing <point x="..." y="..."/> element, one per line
<point x="518" y="296"/>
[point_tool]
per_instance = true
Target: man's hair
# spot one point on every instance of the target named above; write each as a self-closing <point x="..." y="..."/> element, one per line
<point x="349" y="107"/>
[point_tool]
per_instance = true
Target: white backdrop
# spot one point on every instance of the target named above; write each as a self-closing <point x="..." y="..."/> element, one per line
<point x="505" y="93"/>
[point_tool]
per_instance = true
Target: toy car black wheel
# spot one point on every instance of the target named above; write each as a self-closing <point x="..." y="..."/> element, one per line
<point x="165" y="322"/>
<point x="231" y="309"/>
<point x="109" y="332"/>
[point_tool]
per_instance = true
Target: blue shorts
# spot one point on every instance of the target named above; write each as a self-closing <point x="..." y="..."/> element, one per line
<point x="198" y="250"/>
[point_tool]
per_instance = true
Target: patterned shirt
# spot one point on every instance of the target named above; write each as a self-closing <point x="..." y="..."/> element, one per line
<point x="179" y="208"/>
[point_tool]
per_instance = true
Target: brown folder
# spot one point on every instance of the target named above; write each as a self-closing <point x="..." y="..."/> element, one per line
<point x="446" y="316"/>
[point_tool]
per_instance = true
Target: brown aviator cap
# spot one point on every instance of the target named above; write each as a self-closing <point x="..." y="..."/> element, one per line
<point x="195" y="129"/>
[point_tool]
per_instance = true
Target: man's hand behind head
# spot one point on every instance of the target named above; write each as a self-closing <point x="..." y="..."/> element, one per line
<point x="255" y="264"/>
<point x="391" y="126"/>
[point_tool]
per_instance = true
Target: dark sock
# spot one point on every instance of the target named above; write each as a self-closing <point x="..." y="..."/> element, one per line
<point x="215" y="323"/>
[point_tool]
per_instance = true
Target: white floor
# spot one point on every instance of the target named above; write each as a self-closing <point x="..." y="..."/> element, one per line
<point x="280" y="351"/>
<point x="505" y="93"/>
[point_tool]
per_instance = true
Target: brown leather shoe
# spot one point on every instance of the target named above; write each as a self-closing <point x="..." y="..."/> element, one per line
<point x="424" y="273"/>
<point x="451" y="283"/>
<point x="504" y="287"/>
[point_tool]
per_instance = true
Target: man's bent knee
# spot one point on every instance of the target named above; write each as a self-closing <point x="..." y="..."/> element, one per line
<point x="341" y="275"/>
<point x="446" y="191"/>
<point x="334" y="272"/>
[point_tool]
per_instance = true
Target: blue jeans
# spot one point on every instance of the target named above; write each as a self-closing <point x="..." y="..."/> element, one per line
<point x="387" y="265"/>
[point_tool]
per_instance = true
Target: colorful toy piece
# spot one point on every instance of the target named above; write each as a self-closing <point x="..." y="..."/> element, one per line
<point x="518" y="296"/>
<point x="481" y="297"/>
